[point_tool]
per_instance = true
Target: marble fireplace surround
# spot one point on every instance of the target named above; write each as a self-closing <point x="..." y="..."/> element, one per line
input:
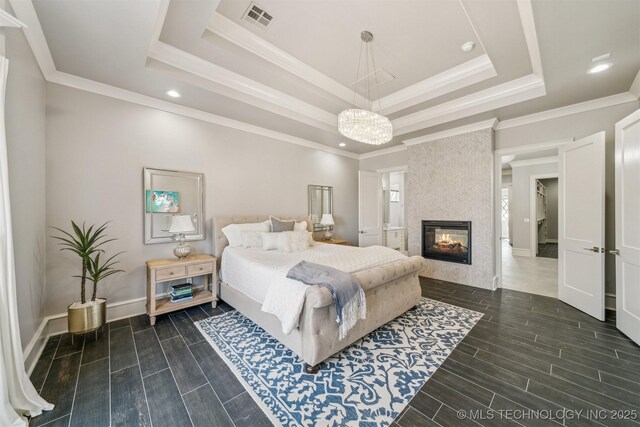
<point x="451" y="179"/>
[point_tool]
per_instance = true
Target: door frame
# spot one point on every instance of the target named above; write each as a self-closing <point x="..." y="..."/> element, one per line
<point x="497" y="185"/>
<point x="533" y="225"/>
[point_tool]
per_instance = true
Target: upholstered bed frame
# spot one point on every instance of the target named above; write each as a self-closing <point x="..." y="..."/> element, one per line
<point x="390" y="290"/>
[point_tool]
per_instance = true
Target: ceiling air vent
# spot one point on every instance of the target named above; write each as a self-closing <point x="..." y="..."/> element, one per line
<point x="257" y="16"/>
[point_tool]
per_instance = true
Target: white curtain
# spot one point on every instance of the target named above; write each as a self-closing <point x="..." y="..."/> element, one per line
<point x="18" y="397"/>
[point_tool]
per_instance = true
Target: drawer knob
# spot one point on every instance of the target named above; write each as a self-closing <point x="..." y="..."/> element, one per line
<point x="171" y="273"/>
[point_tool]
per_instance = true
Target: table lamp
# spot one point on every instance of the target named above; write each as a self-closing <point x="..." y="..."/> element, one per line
<point x="327" y="220"/>
<point x="181" y="224"/>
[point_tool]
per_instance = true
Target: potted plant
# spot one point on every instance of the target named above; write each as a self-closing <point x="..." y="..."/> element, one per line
<point x="84" y="316"/>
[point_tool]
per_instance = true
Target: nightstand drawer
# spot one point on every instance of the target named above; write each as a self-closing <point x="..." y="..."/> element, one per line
<point x="170" y="273"/>
<point x="197" y="269"/>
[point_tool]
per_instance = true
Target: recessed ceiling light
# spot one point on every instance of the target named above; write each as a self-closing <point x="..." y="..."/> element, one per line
<point x="468" y="46"/>
<point x="598" y="68"/>
<point x="342" y="144"/>
<point x="173" y="93"/>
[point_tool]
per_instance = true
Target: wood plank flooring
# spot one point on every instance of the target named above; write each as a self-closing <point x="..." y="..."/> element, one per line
<point x="528" y="352"/>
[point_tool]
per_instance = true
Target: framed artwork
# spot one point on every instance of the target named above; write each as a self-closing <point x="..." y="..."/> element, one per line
<point x="163" y="201"/>
<point x="394" y="196"/>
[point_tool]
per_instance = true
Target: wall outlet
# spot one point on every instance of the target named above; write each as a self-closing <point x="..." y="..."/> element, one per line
<point x="526" y="220"/>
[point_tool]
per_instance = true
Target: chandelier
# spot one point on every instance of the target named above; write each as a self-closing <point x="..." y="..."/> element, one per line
<point x="365" y="125"/>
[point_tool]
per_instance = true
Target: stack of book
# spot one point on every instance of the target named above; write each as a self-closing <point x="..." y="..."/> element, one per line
<point x="182" y="292"/>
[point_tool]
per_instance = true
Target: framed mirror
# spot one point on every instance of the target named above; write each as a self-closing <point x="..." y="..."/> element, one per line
<point x="167" y="194"/>
<point x="320" y="203"/>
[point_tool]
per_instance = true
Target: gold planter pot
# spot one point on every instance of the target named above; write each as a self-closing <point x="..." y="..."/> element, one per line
<point x="85" y="319"/>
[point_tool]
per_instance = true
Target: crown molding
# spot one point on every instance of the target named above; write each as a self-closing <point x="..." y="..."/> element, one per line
<point x="635" y="86"/>
<point x="382" y="152"/>
<point x="26" y="13"/>
<point x="240" y="36"/>
<point x="555" y="113"/>
<point x="518" y="90"/>
<point x="87" y="85"/>
<point x="531" y="162"/>
<point x="163" y="8"/>
<point x="529" y="27"/>
<point x="458" y="77"/>
<point x="7" y="20"/>
<point x="486" y="124"/>
<point x="245" y="89"/>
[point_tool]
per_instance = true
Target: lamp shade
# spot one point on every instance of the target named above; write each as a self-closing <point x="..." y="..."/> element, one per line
<point x="327" y="219"/>
<point x="181" y="224"/>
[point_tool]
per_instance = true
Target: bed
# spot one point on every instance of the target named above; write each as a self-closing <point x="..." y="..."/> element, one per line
<point x="390" y="290"/>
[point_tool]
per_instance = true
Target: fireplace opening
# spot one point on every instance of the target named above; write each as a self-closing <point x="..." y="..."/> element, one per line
<point x="447" y="241"/>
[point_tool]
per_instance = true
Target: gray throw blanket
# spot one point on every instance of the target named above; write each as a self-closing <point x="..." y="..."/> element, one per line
<point x="347" y="293"/>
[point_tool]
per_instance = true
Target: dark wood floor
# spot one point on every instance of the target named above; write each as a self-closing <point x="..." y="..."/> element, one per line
<point x="527" y="352"/>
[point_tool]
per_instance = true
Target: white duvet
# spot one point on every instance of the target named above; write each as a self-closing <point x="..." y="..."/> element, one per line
<point x="261" y="275"/>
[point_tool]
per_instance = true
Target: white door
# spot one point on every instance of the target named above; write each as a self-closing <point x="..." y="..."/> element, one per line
<point x="628" y="226"/>
<point x="370" y="203"/>
<point x="581" y="224"/>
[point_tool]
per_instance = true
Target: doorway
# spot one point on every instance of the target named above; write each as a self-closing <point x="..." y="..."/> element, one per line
<point x="394" y="230"/>
<point x="529" y="218"/>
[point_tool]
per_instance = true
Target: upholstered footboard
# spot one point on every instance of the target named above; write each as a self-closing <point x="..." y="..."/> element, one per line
<point x="390" y="290"/>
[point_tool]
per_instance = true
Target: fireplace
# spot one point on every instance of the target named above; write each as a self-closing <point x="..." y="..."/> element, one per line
<point x="447" y="241"/>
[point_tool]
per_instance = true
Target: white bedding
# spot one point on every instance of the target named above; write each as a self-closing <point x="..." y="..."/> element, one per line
<point x="261" y="275"/>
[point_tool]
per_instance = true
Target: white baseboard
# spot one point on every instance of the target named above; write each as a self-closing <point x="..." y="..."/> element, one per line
<point x="610" y="302"/>
<point x="57" y="324"/>
<point x="496" y="283"/>
<point x="521" y="252"/>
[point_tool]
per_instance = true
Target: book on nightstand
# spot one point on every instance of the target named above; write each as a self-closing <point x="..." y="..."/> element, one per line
<point x="181" y="292"/>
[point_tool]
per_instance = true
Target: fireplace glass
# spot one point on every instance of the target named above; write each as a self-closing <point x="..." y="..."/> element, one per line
<point x="447" y="241"/>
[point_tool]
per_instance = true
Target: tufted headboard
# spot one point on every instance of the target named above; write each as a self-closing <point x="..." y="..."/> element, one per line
<point x="219" y="222"/>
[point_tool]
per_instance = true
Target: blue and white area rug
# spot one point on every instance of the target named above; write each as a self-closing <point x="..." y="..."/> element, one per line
<point x="367" y="384"/>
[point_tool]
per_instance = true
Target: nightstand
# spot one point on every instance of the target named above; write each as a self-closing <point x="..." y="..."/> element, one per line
<point x="164" y="270"/>
<point x="335" y="241"/>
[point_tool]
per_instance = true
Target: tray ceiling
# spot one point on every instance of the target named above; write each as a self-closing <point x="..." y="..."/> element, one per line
<point x="294" y="77"/>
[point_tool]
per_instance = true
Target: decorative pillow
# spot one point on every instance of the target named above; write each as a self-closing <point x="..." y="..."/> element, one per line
<point x="233" y="232"/>
<point x="278" y="225"/>
<point x="273" y="241"/>
<point x="300" y="226"/>
<point x="252" y="239"/>
<point x="296" y="241"/>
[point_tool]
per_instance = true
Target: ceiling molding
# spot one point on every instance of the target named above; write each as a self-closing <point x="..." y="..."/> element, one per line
<point x="26" y="13"/>
<point x="7" y="20"/>
<point x="240" y="36"/>
<point x="382" y="152"/>
<point x="635" y="86"/>
<point x="555" y="113"/>
<point x="458" y="77"/>
<point x="529" y="27"/>
<point x="486" y="124"/>
<point x="163" y="8"/>
<point x="518" y="90"/>
<point x="245" y="89"/>
<point x="76" y="82"/>
<point x="532" y="162"/>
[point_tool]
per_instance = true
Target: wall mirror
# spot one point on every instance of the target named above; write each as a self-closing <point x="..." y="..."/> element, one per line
<point x="168" y="193"/>
<point x="320" y="202"/>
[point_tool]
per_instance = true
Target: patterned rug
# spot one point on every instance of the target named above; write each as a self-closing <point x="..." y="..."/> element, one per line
<point x="367" y="384"/>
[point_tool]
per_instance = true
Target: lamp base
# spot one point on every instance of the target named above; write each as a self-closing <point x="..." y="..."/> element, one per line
<point x="182" y="250"/>
<point x="328" y="235"/>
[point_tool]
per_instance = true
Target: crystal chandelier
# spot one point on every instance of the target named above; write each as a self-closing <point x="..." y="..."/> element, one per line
<point x="365" y="125"/>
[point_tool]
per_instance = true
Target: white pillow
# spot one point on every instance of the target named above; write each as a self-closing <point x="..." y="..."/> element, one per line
<point x="233" y="232"/>
<point x="300" y="226"/>
<point x="296" y="241"/>
<point x="274" y="241"/>
<point x="252" y="239"/>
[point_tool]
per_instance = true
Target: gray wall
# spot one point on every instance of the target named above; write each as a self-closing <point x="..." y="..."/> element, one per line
<point x="552" y="207"/>
<point x="25" y="120"/>
<point x="382" y="162"/>
<point x="451" y="179"/>
<point x="520" y="202"/>
<point x="97" y="147"/>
